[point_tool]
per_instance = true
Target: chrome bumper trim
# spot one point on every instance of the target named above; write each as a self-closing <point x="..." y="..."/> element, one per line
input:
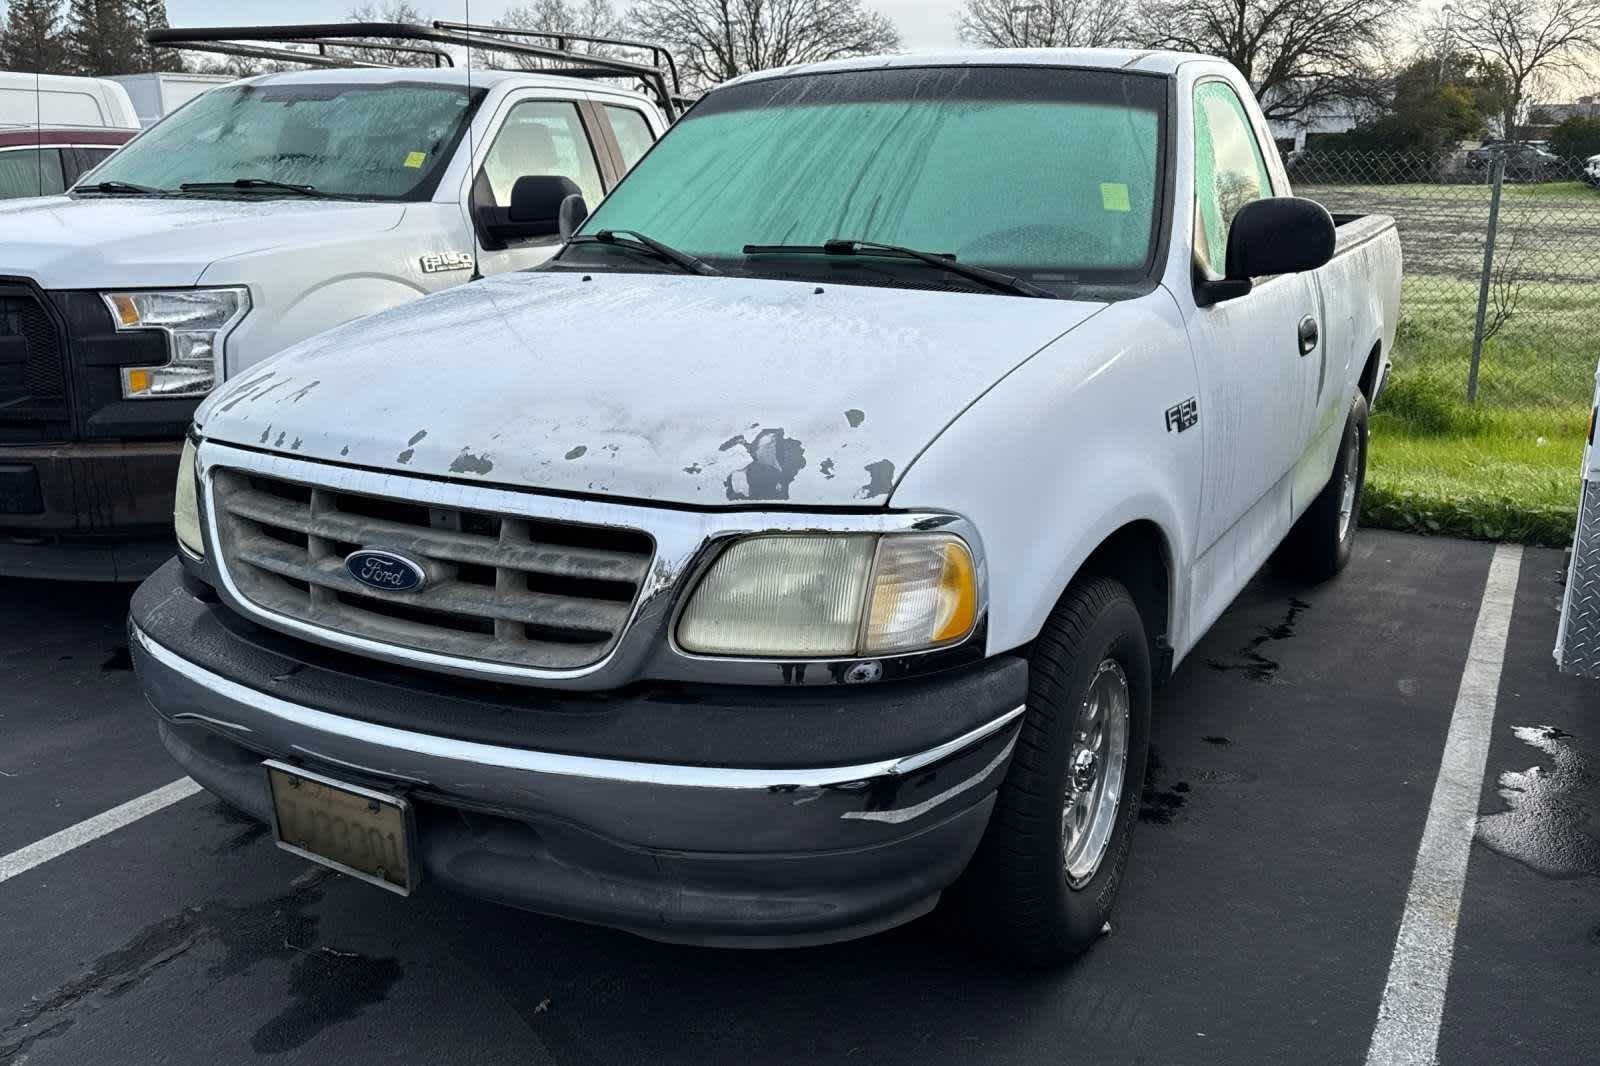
<point x="574" y="766"/>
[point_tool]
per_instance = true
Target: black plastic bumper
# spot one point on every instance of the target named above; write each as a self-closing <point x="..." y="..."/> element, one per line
<point x="95" y="511"/>
<point x="689" y="815"/>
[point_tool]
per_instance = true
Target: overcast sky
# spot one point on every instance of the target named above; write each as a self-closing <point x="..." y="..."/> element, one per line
<point x="922" y="23"/>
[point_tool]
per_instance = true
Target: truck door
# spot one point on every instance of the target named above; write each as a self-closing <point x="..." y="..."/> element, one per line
<point x="1254" y="408"/>
<point x="536" y="137"/>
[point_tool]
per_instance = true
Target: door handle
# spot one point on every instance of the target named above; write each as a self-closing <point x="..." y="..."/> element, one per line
<point x="1308" y="335"/>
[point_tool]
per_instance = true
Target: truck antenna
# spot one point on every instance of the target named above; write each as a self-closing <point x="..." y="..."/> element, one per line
<point x="472" y="158"/>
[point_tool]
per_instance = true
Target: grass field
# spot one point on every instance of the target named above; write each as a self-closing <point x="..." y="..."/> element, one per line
<point x="1507" y="467"/>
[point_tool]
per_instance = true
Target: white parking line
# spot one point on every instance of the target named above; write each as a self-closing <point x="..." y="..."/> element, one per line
<point x="57" y="844"/>
<point x="1419" y="972"/>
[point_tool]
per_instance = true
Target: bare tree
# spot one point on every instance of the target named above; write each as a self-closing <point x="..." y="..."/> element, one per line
<point x="1045" y="24"/>
<point x="401" y="52"/>
<point x="1296" y="54"/>
<point x="1530" y="39"/>
<point x="593" y="18"/>
<point x="715" y="40"/>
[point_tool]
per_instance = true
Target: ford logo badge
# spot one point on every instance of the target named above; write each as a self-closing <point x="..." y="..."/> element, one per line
<point x="385" y="571"/>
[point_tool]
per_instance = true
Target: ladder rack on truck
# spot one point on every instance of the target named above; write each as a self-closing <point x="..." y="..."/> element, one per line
<point x="658" y="78"/>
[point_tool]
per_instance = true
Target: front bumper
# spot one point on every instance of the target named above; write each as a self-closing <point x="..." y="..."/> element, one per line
<point x="96" y="511"/>
<point x="570" y="821"/>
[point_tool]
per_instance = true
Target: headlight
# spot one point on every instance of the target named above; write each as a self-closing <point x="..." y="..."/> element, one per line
<point x="833" y="596"/>
<point x="186" y="504"/>
<point x="196" y="323"/>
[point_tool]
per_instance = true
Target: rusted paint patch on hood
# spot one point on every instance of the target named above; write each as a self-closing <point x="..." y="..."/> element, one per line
<point x="774" y="461"/>
<point x="467" y="463"/>
<point x="880" y="480"/>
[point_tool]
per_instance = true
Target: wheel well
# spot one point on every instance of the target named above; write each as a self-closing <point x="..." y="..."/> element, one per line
<point x="1369" y="373"/>
<point x="1136" y="555"/>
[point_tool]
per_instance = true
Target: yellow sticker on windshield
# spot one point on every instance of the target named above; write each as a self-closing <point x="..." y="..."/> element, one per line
<point x="1114" y="196"/>
<point x="414" y="161"/>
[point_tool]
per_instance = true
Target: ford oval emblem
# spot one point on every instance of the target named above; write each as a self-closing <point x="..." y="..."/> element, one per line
<point x="385" y="571"/>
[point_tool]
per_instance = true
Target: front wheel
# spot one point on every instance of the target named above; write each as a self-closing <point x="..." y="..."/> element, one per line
<point x="1319" y="545"/>
<point x="1041" y="888"/>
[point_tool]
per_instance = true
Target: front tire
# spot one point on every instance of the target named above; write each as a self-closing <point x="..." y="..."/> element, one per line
<point x="1321" y="542"/>
<point x="1042" y="885"/>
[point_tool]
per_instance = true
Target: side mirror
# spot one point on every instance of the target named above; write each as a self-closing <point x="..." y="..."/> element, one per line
<point x="573" y="213"/>
<point x="538" y="209"/>
<point x="1278" y="235"/>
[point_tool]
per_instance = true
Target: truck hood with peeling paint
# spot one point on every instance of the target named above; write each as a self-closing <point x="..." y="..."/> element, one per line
<point x="682" y="389"/>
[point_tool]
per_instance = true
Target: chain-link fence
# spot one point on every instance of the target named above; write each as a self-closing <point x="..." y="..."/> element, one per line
<point x="1501" y="295"/>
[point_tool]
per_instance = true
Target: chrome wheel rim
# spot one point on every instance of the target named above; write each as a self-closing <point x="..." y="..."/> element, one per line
<point x="1352" y="481"/>
<point x="1096" y="766"/>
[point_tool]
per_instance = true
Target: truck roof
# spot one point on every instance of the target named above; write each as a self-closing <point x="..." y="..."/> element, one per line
<point x="1144" y="60"/>
<point x="439" y="75"/>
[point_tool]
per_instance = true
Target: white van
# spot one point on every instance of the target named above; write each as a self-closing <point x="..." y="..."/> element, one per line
<point x="61" y="102"/>
<point x="157" y="95"/>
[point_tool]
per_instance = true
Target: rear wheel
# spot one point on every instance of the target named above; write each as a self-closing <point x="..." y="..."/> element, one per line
<point x="1319" y="545"/>
<point x="1041" y="888"/>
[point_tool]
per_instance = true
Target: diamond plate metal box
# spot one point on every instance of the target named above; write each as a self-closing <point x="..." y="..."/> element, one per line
<point x="1578" y="640"/>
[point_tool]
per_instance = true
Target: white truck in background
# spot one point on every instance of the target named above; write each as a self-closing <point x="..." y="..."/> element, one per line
<point x="804" y="540"/>
<point x="262" y="213"/>
<point x="63" y="102"/>
<point x="157" y="95"/>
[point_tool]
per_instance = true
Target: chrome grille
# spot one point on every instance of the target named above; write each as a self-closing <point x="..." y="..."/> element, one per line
<point x="528" y="592"/>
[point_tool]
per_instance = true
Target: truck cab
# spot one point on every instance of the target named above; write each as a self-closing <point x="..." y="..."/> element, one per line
<point x="800" y="545"/>
<point x="263" y="212"/>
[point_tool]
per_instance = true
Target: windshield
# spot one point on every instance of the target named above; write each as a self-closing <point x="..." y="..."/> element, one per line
<point x="379" y="142"/>
<point x="1046" y="173"/>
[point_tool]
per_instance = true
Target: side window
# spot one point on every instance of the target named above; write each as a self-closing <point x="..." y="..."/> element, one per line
<point x="542" y="137"/>
<point x="84" y="160"/>
<point x="632" y="133"/>
<point x="30" y="172"/>
<point x="1228" y="170"/>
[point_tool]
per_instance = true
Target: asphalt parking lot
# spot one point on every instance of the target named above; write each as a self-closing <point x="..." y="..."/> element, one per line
<point x="1295" y="757"/>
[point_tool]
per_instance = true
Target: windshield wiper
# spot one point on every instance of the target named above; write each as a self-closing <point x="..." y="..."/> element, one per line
<point x="841" y="246"/>
<point x="125" y="187"/>
<point x="636" y="241"/>
<point x="250" y="183"/>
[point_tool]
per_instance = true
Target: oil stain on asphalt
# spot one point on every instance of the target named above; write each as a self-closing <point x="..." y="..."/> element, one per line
<point x="326" y="986"/>
<point x="1158" y="803"/>
<point x="1548" y="824"/>
<point x="1249" y="659"/>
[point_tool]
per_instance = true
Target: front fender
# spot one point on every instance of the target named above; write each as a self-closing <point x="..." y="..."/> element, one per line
<point x="296" y="313"/>
<point x="1065" y="450"/>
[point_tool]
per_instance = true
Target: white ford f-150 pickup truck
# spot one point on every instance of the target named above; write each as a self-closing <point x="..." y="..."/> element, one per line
<point x="803" y="542"/>
<point x="257" y="215"/>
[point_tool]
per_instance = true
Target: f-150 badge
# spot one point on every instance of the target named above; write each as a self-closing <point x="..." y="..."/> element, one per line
<point x="1181" y="416"/>
<point x="439" y="262"/>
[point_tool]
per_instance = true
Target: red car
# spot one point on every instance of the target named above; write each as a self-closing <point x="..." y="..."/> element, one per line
<point x="45" y="162"/>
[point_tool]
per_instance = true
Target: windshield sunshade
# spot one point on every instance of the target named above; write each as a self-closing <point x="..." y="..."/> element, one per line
<point x="1047" y="173"/>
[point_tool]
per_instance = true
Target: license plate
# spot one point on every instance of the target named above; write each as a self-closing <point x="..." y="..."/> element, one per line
<point x="355" y="830"/>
